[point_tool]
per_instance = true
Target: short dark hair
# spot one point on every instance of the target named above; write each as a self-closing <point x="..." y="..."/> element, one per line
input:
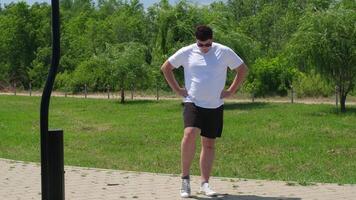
<point x="203" y="33"/>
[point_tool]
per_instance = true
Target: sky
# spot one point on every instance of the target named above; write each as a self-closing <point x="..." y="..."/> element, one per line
<point x="146" y="3"/>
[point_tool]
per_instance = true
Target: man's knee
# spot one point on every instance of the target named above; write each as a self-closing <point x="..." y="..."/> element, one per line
<point x="208" y="144"/>
<point x="190" y="133"/>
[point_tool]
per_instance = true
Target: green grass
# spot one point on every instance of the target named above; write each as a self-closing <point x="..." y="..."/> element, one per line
<point x="291" y="142"/>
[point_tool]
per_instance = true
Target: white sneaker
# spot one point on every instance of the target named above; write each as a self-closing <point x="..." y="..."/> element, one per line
<point x="185" y="190"/>
<point x="206" y="190"/>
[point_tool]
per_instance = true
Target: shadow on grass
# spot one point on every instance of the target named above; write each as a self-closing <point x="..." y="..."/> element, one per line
<point x="349" y="110"/>
<point x="245" y="106"/>
<point x="334" y="111"/>
<point x="243" y="197"/>
<point x="227" y="106"/>
<point x="138" y="102"/>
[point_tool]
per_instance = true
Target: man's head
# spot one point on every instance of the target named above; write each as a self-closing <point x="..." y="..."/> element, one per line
<point x="204" y="36"/>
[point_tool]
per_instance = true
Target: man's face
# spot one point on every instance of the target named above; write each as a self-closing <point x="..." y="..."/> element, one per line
<point x="204" y="46"/>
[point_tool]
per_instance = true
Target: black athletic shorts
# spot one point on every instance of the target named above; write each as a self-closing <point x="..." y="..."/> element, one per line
<point x="210" y="121"/>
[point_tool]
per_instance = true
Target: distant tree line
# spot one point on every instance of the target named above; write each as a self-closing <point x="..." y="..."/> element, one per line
<point x="309" y="45"/>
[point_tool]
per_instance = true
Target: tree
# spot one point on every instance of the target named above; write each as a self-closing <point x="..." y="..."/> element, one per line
<point x="127" y="65"/>
<point x="128" y="23"/>
<point x="38" y="71"/>
<point x="91" y="72"/>
<point x="326" y="41"/>
<point x="18" y="42"/>
<point x="108" y="7"/>
<point x="270" y="77"/>
<point x="161" y="16"/>
<point x="75" y="44"/>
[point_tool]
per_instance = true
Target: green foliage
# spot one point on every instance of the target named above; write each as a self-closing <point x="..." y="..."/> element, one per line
<point x="64" y="82"/>
<point x="157" y="78"/>
<point x="127" y="61"/>
<point x="326" y="39"/>
<point x="40" y="67"/>
<point x="127" y="23"/>
<point x="270" y="77"/>
<point x="312" y="85"/>
<point x="93" y="73"/>
<point x="4" y="68"/>
<point x="113" y="42"/>
<point x="17" y="41"/>
<point x="75" y="44"/>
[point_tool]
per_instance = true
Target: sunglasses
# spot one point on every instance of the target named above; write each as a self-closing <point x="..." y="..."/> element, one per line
<point x="204" y="45"/>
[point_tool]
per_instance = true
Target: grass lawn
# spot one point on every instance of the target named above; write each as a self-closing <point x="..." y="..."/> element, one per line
<point x="291" y="142"/>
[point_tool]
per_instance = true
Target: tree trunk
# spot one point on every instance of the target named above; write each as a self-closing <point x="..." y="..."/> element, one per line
<point x="122" y="95"/>
<point x="157" y="92"/>
<point x="132" y="91"/>
<point x="342" y="102"/>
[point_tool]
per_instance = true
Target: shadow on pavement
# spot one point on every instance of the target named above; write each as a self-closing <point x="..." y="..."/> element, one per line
<point x="242" y="197"/>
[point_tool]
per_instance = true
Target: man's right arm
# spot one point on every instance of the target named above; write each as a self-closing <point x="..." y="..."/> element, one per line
<point x="167" y="69"/>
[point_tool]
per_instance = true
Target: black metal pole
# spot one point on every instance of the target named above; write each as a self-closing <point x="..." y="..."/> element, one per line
<point x="55" y="165"/>
<point x="47" y="178"/>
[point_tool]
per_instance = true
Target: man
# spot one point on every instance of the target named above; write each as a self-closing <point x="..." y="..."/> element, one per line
<point x="205" y="66"/>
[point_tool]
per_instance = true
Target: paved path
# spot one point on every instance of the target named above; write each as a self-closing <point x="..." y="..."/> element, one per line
<point x="21" y="180"/>
<point x="350" y="101"/>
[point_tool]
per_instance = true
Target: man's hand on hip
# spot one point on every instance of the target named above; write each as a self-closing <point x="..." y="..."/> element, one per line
<point x="226" y="94"/>
<point x="182" y="92"/>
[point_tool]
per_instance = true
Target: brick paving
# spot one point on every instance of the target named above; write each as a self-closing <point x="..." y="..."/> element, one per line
<point x="21" y="180"/>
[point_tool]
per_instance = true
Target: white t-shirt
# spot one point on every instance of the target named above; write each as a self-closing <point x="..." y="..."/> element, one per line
<point x="205" y="73"/>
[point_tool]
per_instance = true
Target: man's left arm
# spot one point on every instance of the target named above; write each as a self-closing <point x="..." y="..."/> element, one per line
<point x="241" y="74"/>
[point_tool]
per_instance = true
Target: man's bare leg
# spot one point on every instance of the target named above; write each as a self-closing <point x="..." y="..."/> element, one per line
<point x="206" y="158"/>
<point x="188" y="149"/>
